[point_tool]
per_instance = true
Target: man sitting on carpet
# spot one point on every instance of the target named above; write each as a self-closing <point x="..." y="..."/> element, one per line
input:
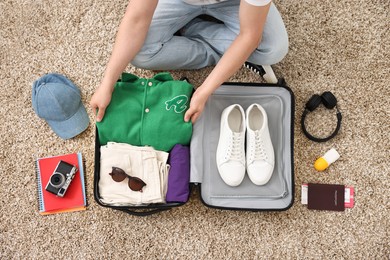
<point x="192" y="34"/>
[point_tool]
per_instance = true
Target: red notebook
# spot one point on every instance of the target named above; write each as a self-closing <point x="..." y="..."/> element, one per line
<point x="74" y="198"/>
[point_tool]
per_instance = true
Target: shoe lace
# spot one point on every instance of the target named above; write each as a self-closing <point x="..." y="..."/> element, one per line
<point x="258" y="151"/>
<point x="234" y="152"/>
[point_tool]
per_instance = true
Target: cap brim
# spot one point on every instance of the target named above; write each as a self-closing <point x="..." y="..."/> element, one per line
<point x="72" y="126"/>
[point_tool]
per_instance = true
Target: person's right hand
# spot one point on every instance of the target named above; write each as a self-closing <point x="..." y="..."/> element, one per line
<point x="100" y="100"/>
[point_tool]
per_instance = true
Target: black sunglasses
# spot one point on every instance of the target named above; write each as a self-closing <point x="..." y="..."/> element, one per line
<point x="135" y="183"/>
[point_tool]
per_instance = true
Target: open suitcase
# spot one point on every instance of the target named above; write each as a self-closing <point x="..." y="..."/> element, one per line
<point x="276" y="195"/>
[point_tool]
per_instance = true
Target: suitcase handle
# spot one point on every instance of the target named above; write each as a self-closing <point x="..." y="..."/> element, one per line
<point x="143" y="213"/>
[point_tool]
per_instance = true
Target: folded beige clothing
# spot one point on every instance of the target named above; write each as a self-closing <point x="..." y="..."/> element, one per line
<point x="145" y="163"/>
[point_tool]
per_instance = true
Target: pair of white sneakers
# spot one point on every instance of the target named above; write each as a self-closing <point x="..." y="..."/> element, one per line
<point x="231" y="160"/>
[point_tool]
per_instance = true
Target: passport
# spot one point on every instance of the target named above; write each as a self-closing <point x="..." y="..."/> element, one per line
<point x="325" y="197"/>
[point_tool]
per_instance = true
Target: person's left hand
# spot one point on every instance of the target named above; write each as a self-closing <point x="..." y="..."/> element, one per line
<point x="197" y="104"/>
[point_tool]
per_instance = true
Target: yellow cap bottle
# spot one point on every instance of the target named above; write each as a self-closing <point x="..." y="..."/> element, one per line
<point x="327" y="159"/>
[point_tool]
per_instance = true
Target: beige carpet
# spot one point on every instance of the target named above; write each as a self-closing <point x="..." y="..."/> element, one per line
<point x="341" y="46"/>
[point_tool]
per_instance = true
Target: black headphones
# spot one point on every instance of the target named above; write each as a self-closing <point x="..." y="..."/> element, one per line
<point x="329" y="101"/>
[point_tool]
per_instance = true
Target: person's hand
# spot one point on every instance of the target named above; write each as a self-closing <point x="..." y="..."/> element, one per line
<point x="197" y="104"/>
<point x="100" y="100"/>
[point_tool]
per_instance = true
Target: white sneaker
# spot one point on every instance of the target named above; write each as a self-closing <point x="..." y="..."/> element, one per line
<point x="260" y="158"/>
<point x="230" y="151"/>
<point x="264" y="71"/>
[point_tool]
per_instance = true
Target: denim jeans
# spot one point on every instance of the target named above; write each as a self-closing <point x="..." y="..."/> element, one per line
<point x="202" y="43"/>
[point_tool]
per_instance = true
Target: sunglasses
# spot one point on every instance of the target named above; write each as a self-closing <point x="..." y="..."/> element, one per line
<point x="135" y="183"/>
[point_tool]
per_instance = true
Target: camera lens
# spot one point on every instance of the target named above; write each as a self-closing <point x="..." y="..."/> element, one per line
<point x="57" y="179"/>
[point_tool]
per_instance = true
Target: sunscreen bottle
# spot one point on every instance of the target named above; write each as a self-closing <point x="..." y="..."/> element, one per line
<point x="327" y="159"/>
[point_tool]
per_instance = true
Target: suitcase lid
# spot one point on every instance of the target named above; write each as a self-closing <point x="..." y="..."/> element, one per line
<point x="278" y="193"/>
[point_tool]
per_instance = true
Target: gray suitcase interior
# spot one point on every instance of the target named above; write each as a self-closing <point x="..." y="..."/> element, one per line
<point x="278" y="193"/>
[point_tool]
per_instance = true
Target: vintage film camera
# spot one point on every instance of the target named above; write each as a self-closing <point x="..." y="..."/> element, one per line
<point x="61" y="178"/>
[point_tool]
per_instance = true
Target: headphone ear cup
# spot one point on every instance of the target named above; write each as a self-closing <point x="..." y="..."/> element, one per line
<point x="329" y="100"/>
<point x="313" y="102"/>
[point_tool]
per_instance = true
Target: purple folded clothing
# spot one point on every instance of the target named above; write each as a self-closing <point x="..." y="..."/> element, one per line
<point x="179" y="174"/>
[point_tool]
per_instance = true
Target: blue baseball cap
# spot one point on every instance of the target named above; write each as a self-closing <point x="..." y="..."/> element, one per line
<point x="58" y="101"/>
